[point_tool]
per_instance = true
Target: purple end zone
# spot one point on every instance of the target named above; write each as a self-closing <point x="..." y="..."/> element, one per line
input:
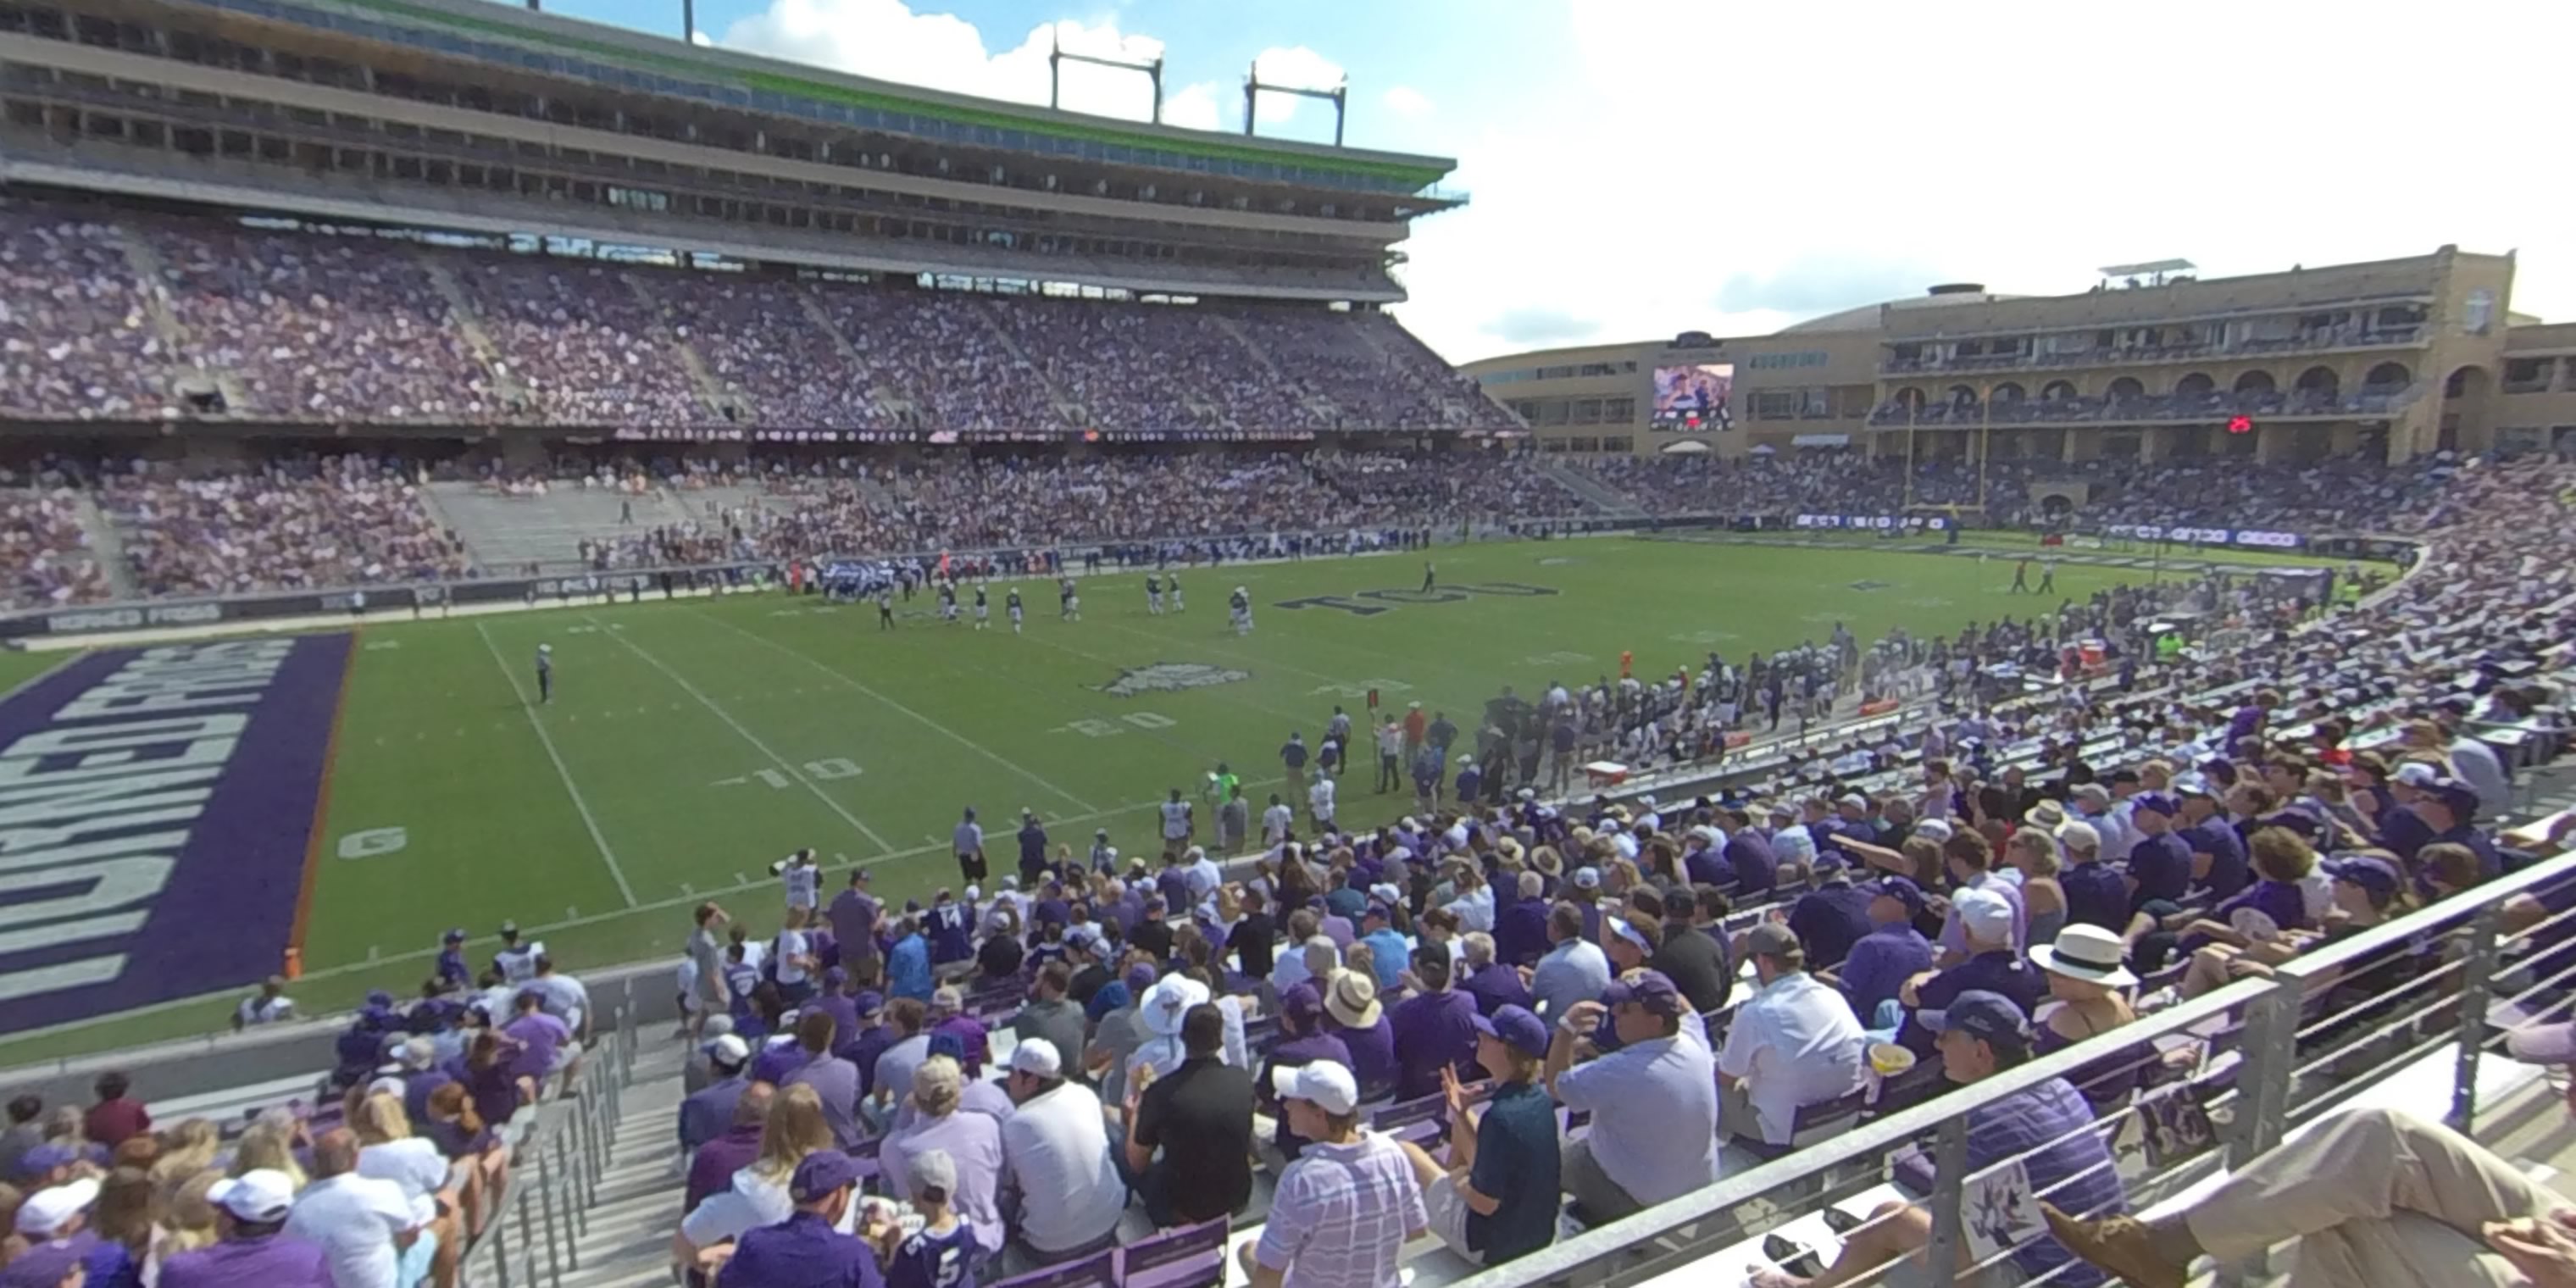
<point x="156" y="805"/>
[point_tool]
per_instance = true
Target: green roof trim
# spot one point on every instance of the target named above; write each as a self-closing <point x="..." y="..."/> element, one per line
<point x="1214" y="148"/>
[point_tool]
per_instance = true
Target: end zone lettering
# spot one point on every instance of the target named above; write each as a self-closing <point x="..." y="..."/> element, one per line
<point x="155" y="807"/>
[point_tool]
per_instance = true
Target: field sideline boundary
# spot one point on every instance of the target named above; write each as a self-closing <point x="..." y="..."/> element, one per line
<point x="572" y="789"/>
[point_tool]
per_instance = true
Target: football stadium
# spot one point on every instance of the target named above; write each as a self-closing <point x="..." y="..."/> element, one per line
<point x="601" y="632"/>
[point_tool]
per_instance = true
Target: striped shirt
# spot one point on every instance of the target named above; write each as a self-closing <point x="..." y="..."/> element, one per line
<point x="2073" y="1172"/>
<point x="1341" y="1216"/>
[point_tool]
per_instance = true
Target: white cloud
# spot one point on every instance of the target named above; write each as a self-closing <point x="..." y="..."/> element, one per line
<point x="701" y="38"/>
<point x="2018" y="145"/>
<point x="888" y="40"/>
<point x="1405" y="100"/>
<point x="1292" y="67"/>
<point x="1196" y="107"/>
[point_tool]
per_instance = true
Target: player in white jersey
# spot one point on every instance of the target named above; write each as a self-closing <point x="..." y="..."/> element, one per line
<point x="1242" y="604"/>
<point x="1319" y="802"/>
<point x="802" y="877"/>
<point x="948" y="602"/>
<point x="1176" y="593"/>
<point x="1176" y="823"/>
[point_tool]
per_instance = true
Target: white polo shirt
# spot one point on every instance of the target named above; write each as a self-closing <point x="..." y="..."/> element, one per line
<point x="1794" y="1042"/>
<point x="1057" y="1153"/>
<point x="353" y="1219"/>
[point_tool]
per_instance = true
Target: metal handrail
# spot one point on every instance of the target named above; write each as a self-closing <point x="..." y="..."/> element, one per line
<point x="2264" y="1083"/>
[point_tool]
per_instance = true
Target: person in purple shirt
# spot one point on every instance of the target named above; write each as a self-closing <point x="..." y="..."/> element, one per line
<point x="951" y="928"/>
<point x="708" y="1111"/>
<point x="2447" y="808"/>
<point x="807" y="1248"/>
<point x="2217" y="851"/>
<point x="948" y="1019"/>
<point x="1833" y="917"/>
<point x="835" y="1081"/>
<point x="1435" y="1029"/>
<point x="1992" y="966"/>
<point x="1704" y="862"/>
<point x="1749" y="857"/>
<point x="2160" y="863"/>
<point x="1891" y="953"/>
<point x="1359" y="1020"/>
<point x="541" y="1039"/>
<point x="1491" y="982"/>
<point x="250" y="1214"/>
<point x="1520" y="926"/>
<point x="1302" y="1041"/>
<point x="2096" y="893"/>
<point x="854" y="914"/>
<point x="712" y="1165"/>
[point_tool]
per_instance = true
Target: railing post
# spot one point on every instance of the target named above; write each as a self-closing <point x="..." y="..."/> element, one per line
<point x="571" y="1204"/>
<point x="546" y="1171"/>
<point x="1949" y="1195"/>
<point x="498" y="1231"/>
<point x="2476" y="983"/>
<point x="2271" y="1052"/>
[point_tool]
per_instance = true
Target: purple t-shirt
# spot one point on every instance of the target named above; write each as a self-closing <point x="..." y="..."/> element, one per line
<point x="2161" y="865"/>
<point x="275" y="1261"/>
<point x="539" y="1036"/>
<point x="711" y="1169"/>
<point x="1372" y="1054"/>
<point x="2279" y="900"/>
<point x="1433" y="1031"/>
<point x="854" y="918"/>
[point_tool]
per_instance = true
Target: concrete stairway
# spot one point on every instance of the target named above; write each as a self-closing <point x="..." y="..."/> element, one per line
<point x="1067" y="406"/>
<point x="1261" y="358"/>
<point x="636" y="1207"/>
<point x="150" y="269"/>
<point x="506" y="533"/>
<point x="107" y="548"/>
<point x="470" y="325"/>
<point x="1592" y="490"/>
<point x="723" y="399"/>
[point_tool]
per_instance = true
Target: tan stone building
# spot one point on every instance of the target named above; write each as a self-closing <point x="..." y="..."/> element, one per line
<point x="2391" y="358"/>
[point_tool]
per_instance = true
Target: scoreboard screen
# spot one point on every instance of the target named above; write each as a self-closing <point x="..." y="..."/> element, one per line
<point x="1694" y="399"/>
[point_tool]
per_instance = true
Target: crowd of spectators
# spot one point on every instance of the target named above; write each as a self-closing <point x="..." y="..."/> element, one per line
<point x="348" y="328"/>
<point x="1495" y="960"/>
<point x="319" y="328"/>
<point x="315" y="523"/>
<point x="381" y="1184"/>
<point x="77" y="340"/>
<point x="45" y="550"/>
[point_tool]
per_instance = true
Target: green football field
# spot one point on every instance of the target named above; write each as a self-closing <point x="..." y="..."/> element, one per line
<point x="691" y="743"/>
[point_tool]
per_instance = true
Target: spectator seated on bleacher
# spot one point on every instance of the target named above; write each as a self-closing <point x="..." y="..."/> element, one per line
<point x="1653" y="1098"/>
<point x="1344" y="1210"/>
<point x="1793" y="1043"/>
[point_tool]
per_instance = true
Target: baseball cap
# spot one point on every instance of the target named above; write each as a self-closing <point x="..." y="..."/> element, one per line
<point x="2080" y="835"/>
<point x="1619" y="926"/>
<point x="2455" y="796"/>
<point x="260" y="1195"/>
<point x="1901" y="889"/>
<point x="1988" y="1017"/>
<point x="869" y="1002"/>
<point x="1379" y="911"/>
<point x="1651" y="989"/>
<point x="729" y="1050"/>
<point x="45" y="1265"/>
<point x="45" y="1158"/>
<point x="933" y="1175"/>
<point x="2155" y="803"/>
<point x="1139" y="977"/>
<point x="50" y="1209"/>
<point x="1934" y="829"/>
<point x="2191" y="785"/>
<point x="1112" y="996"/>
<point x="1082" y="937"/>
<point x="1587" y="878"/>
<point x="2375" y="875"/>
<point x="1983" y="913"/>
<point x="2416" y="773"/>
<point x="1303" y="1002"/>
<point x="1770" y="939"/>
<point x="1515" y="1027"/>
<point x="455" y="936"/>
<point x="1853" y="799"/>
<point x="823" y="1172"/>
<point x="1325" y="1084"/>
<point x="1037" y="1057"/>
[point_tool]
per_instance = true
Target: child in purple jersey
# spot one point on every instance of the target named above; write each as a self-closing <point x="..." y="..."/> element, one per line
<point x="943" y="1253"/>
<point x="951" y="928"/>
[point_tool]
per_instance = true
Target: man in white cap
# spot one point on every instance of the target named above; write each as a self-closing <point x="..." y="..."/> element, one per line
<point x="253" y="1250"/>
<point x="1161" y="1013"/>
<point x="1991" y="964"/>
<point x="372" y="1235"/>
<point x="1055" y="1153"/>
<point x="706" y="1114"/>
<point x="1345" y="1209"/>
<point x="59" y="1215"/>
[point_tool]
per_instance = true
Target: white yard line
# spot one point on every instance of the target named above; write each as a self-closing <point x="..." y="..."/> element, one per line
<point x="748" y="736"/>
<point x="588" y="819"/>
<point x="954" y="736"/>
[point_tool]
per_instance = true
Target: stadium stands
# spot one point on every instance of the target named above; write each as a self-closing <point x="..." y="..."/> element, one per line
<point x="352" y="329"/>
<point x="332" y="522"/>
<point x="2399" y="735"/>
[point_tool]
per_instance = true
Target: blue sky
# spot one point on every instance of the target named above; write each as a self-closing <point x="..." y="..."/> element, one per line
<point x="1643" y="167"/>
